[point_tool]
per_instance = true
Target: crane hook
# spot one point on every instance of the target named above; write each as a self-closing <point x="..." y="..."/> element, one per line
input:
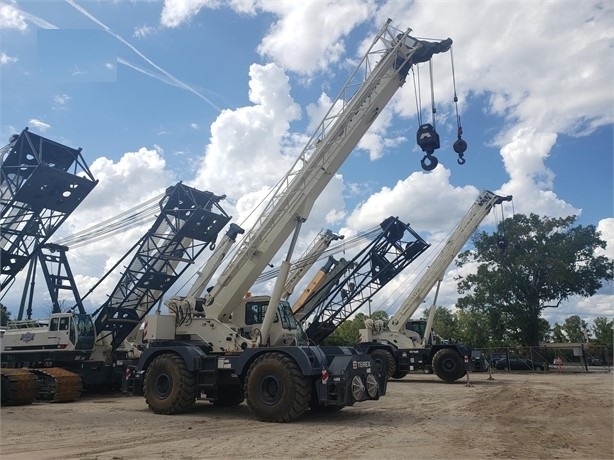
<point x="460" y="147"/>
<point x="429" y="162"/>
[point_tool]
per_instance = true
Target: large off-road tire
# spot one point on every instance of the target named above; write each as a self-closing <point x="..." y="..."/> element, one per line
<point x="386" y="360"/>
<point x="275" y="388"/>
<point x="230" y="396"/>
<point x="448" y="365"/>
<point x="170" y="388"/>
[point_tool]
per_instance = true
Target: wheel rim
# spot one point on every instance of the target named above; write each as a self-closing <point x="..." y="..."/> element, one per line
<point x="270" y="389"/>
<point x="163" y="386"/>
<point x="372" y="386"/>
<point x="449" y="365"/>
<point x="358" y="388"/>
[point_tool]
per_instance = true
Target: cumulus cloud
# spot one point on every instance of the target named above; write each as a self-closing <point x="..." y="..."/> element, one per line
<point x="251" y="136"/>
<point x="176" y="12"/>
<point x="425" y="200"/>
<point x="525" y="76"/>
<point x="606" y="229"/>
<point x="308" y="36"/>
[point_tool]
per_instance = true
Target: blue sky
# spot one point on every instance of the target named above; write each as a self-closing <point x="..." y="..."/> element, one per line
<point x="222" y="95"/>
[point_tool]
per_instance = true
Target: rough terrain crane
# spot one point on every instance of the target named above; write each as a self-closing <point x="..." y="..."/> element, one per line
<point x="403" y="345"/>
<point x="75" y="348"/>
<point x="213" y="351"/>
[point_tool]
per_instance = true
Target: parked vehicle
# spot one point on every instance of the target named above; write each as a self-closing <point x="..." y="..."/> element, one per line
<point x="596" y="361"/>
<point x="515" y="363"/>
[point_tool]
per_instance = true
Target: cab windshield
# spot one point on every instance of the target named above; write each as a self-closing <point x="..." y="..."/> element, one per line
<point x="255" y="311"/>
<point x="289" y="322"/>
<point x="86" y="334"/>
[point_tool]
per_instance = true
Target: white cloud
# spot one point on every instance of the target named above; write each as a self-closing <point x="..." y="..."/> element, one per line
<point x="308" y="36"/>
<point x="176" y="12"/>
<point x="38" y="124"/>
<point x="606" y="229"/>
<point x="62" y="99"/>
<point x="142" y="31"/>
<point x="251" y="136"/>
<point x="12" y="18"/>
<point x="6" y="59"/>
<point x="425" y="200"/>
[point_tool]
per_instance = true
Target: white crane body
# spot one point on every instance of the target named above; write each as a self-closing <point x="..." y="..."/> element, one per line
<point x="242" y="347"/>
<point x="407" y="344"/>
<point x="381" y="72"/>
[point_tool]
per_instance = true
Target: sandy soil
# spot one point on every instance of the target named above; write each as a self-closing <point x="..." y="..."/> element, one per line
<point x="519" y="415"/>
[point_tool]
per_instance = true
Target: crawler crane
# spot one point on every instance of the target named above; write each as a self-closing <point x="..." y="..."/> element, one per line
<point x="76" y="350"/>
<point x="210" y="349"/>
<point x="349" y="285"/>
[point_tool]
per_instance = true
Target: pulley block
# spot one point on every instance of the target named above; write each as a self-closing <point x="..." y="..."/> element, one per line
<point x="427" y="138"/>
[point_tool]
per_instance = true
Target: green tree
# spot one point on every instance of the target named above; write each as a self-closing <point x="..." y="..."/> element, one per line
<point x="473" y="327"/>
<point x="347" y="332"/>
<point x="558" y="336"/>
<point x="5" y="315"/>
<point x="529" y="264"/>
<point x="574" y="328"/>
<point x="604" y="331"/>
<point x="379" y="315"/>
<point x="445" y="323"/>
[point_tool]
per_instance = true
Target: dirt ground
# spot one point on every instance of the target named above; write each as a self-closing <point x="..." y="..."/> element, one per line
<point x="518" y="415"/>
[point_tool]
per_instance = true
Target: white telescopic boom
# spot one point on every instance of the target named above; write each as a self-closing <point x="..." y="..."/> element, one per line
<point x="465" y="228"/>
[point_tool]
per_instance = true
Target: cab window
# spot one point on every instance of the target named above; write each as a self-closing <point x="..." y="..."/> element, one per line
<point x="63" y="324"/>
<point x="254" y="313"/>
<point x="53" y="326"/>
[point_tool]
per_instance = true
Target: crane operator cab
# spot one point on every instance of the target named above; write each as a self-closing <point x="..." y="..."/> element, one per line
<point x="285" y="329"/>
<point x="71" y="334"/>
<point x="79" y="328"/>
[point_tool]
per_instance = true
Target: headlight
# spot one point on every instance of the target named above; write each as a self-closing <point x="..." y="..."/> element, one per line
<point x="358" y="388"/>
<point x="372" y="386"/>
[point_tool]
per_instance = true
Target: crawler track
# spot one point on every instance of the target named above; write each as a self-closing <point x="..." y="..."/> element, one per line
<point x="19" y="387"/>
<point x="57" y="384"/>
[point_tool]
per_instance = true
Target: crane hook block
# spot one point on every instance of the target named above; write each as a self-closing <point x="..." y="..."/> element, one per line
<point x="427" y="138"/>
<point x="460" y="146"/>
<point x="429" y="162"/>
